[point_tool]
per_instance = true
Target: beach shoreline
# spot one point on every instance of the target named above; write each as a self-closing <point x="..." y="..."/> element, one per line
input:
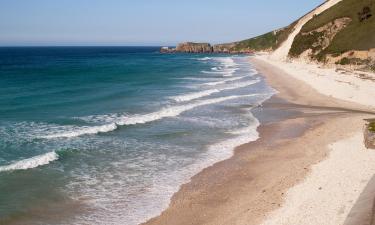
<point x="254" y="181"/>
<point x="334" y="184"/>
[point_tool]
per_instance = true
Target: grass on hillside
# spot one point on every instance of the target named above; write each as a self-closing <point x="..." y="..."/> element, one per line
<point x="358" y="35"/>
<point x="268" y="41"/>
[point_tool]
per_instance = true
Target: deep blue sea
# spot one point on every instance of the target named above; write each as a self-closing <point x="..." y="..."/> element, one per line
<point x="106" y="135"/>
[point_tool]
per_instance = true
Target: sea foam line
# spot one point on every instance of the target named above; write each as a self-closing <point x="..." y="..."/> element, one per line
<point x="32" y="162"/>
<point x="222" y="81"/>
<point x="204" y="59"/>
<point x="171" y="111"/>
<point x="225" y="72"/>
<point x="200" y="94"/>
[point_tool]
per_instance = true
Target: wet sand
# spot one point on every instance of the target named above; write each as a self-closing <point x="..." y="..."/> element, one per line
<point x="297" y="126"/>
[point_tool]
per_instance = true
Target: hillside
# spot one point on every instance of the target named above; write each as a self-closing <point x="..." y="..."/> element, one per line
<point x="336" y="32"/>
<point x="266" y="42"/>
<point x="343" y="34"/>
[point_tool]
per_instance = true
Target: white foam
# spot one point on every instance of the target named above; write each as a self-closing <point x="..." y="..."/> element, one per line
<point x="75" y="132"/>
<point x="226" y="61"/>
<point x="224" y="81"/>
<point x="200" y="94"/>
<point x="30" y="163"/>
<point x="195" y="95"/>
<point x="227" y="67"/>
<point x="225" y="72"/>
<point x="171" y="111"/>
<point x="204" y="59"/>
<point x="174" y="110"/>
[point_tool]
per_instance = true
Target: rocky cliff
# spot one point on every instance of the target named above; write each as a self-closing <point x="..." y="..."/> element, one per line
<point x="224" y="48"/>
<point x="189" y="47"/>
<point x="192" y="47"/>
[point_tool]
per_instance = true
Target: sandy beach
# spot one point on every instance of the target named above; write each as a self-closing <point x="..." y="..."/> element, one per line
<point x="307" y="140"/>
<point x="239" y="113"/>
<point x="356" y="87"/>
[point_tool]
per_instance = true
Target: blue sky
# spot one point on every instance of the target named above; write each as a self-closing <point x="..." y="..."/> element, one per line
<point x="142" y="22"/>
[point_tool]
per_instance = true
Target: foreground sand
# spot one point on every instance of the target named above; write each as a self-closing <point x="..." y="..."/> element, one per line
<point x="295" y="135"/>
<point x="328" y="193"/>
<point x="331" y="189"/>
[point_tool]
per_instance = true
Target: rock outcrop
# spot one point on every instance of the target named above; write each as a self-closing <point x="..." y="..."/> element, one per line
<point x="224" y="48"/>
<point x="192" y="47"/>
<point x="189" y="47"/>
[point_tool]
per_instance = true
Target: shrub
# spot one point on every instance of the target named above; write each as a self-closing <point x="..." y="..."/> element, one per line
<point x="365" y="14"/>
<point x="344" y="61"/>
<point x="371" y="127"/>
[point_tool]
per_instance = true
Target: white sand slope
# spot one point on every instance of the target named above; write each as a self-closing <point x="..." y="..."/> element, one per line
<point x="282" y="52"/>
<point x="328" y="81"/>
<point x="327" y="194"/>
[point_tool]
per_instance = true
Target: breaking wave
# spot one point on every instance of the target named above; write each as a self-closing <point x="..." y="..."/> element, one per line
<point x="224" y="81"/>
<point x="32" y="162"/>
<point x="200" y="94"/>
<point x="204" y="59"/>
<point x="171" y="111"/>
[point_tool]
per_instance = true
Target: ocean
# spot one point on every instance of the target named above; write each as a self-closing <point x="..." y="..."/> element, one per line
<point x="106" y="135"/>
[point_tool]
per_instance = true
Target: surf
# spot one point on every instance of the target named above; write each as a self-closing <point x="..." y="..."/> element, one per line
<point x="32" y="162"/>
<point x="166" y="112"/>
<point x="200" y="94"/>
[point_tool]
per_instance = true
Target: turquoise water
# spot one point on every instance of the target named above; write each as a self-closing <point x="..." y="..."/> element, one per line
<point x="105" y="135"/>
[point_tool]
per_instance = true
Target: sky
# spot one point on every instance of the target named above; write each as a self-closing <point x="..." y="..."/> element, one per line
<point x="142" y="22"/>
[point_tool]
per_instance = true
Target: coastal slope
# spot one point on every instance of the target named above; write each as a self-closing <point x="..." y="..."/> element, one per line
<point x="283" y="51"/>
<point x="343" y="76"/>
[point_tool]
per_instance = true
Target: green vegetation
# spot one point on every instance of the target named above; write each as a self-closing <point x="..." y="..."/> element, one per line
<point x="371" y="127"/>
<point x="263" y="42"/>
<point x="344" y="61"/>
<point x="353" y="61"/>
<point x="268" y="41"/>
<point x="359" y="34"/>
<point x="303" y="42"/>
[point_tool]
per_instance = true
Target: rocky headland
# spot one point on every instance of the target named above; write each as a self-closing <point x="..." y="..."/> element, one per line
<point x="192" y="47"/>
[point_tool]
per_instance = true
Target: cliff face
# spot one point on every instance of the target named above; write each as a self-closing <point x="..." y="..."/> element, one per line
<point x="224" y="48"/>
<point x="190" y="47"/>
